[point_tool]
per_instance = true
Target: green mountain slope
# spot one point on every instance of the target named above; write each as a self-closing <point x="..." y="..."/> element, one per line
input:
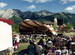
<point x="16" y="21"/>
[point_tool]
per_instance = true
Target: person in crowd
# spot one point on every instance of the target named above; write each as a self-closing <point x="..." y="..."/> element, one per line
<point x="54" y="48"/>
<point x="50" y="51"/>
<point x="41" y="42"/>
<point x="17" y="41"/>
<point x="64" y="51"/>
<point x="47" y="41"/>
<point x="58" y="51"/>
<point x="10" y="51"/>
<point x="40" y="50"/>
<point x="72" y="46"/>
<point x="49" y="44"/>
<point x="36" y="48"/>
<point x="31" y="48"/>
<point x="14" y="42"/>
<point x="69" y="52"/>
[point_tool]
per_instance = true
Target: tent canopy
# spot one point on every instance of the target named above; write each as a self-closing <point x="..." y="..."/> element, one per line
<point x="6" y="21"/>
<point x="32" y="26"/>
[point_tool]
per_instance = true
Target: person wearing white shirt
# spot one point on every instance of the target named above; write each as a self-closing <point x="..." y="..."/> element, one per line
<point x="58" y="51"/>
<point x="17" y="41"/>
<point x="64" y="51"/>
<point x="17" y="38"/>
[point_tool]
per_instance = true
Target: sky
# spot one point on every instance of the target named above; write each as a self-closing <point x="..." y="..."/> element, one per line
<point x="37" y="5"/>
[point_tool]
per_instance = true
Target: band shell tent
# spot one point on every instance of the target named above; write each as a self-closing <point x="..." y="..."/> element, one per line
<point x="5" y="34"/>
<point x="29" y="26"/>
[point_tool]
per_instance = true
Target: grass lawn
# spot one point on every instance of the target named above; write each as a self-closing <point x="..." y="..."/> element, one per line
<point x="69" y="34"/>
<point x="21" y="47"/>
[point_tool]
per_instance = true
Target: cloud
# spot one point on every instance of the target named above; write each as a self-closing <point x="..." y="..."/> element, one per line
<point x="29" y="1"/>
<point x="70" y="8"/>
<point x="67" y="1"/>
<point x="42" y="1"/>
<point x="2" y="5"/>
<point x="38" y="1"/>
<point x="31" y="7"/>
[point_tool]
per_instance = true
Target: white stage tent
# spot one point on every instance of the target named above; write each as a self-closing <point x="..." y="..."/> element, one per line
<point x="5" y="34"/>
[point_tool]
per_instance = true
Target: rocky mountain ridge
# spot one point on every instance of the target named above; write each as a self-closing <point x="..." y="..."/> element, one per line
<point x="43" y="15"/>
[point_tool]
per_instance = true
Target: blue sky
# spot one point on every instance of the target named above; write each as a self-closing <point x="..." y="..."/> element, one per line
<point x="37" y="5"/>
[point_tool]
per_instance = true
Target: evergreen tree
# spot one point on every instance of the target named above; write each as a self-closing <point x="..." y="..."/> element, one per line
<point x="69" y="26"/>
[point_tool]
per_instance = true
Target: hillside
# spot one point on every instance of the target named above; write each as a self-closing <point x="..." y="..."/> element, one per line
<point x="39" y="16"/>
<point x="17" y="16"/>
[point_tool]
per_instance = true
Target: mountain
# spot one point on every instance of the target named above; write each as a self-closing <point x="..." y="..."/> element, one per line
<point x="67" y="17"/>
<point x="17" y="16"/>
<point x="44" y="13"/>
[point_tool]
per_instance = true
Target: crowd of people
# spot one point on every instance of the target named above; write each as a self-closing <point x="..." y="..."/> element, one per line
<point x="49" y="45"/>
<point x="55" y="45"/>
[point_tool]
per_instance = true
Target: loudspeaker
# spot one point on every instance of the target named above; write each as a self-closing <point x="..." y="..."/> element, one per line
<point x="59" y="21"/>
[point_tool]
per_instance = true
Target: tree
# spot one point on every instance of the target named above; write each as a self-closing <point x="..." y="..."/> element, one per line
<point x="69" y="26"/>
<point x="15" y="28"/>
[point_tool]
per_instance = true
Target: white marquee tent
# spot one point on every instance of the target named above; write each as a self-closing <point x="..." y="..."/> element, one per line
<point x="5" y="34"/>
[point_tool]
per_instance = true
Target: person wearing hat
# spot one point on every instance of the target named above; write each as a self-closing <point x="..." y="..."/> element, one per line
<point x="64" y="51"/>
<point x="16" y="44"/>
<point x="49" y="44"/>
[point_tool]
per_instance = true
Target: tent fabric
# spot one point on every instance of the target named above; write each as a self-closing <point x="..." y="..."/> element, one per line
<point x="51" y="29"/>
<point x="5" y="34"/>
<point x="29" y="24"/>
<point x="6" y="21"/>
